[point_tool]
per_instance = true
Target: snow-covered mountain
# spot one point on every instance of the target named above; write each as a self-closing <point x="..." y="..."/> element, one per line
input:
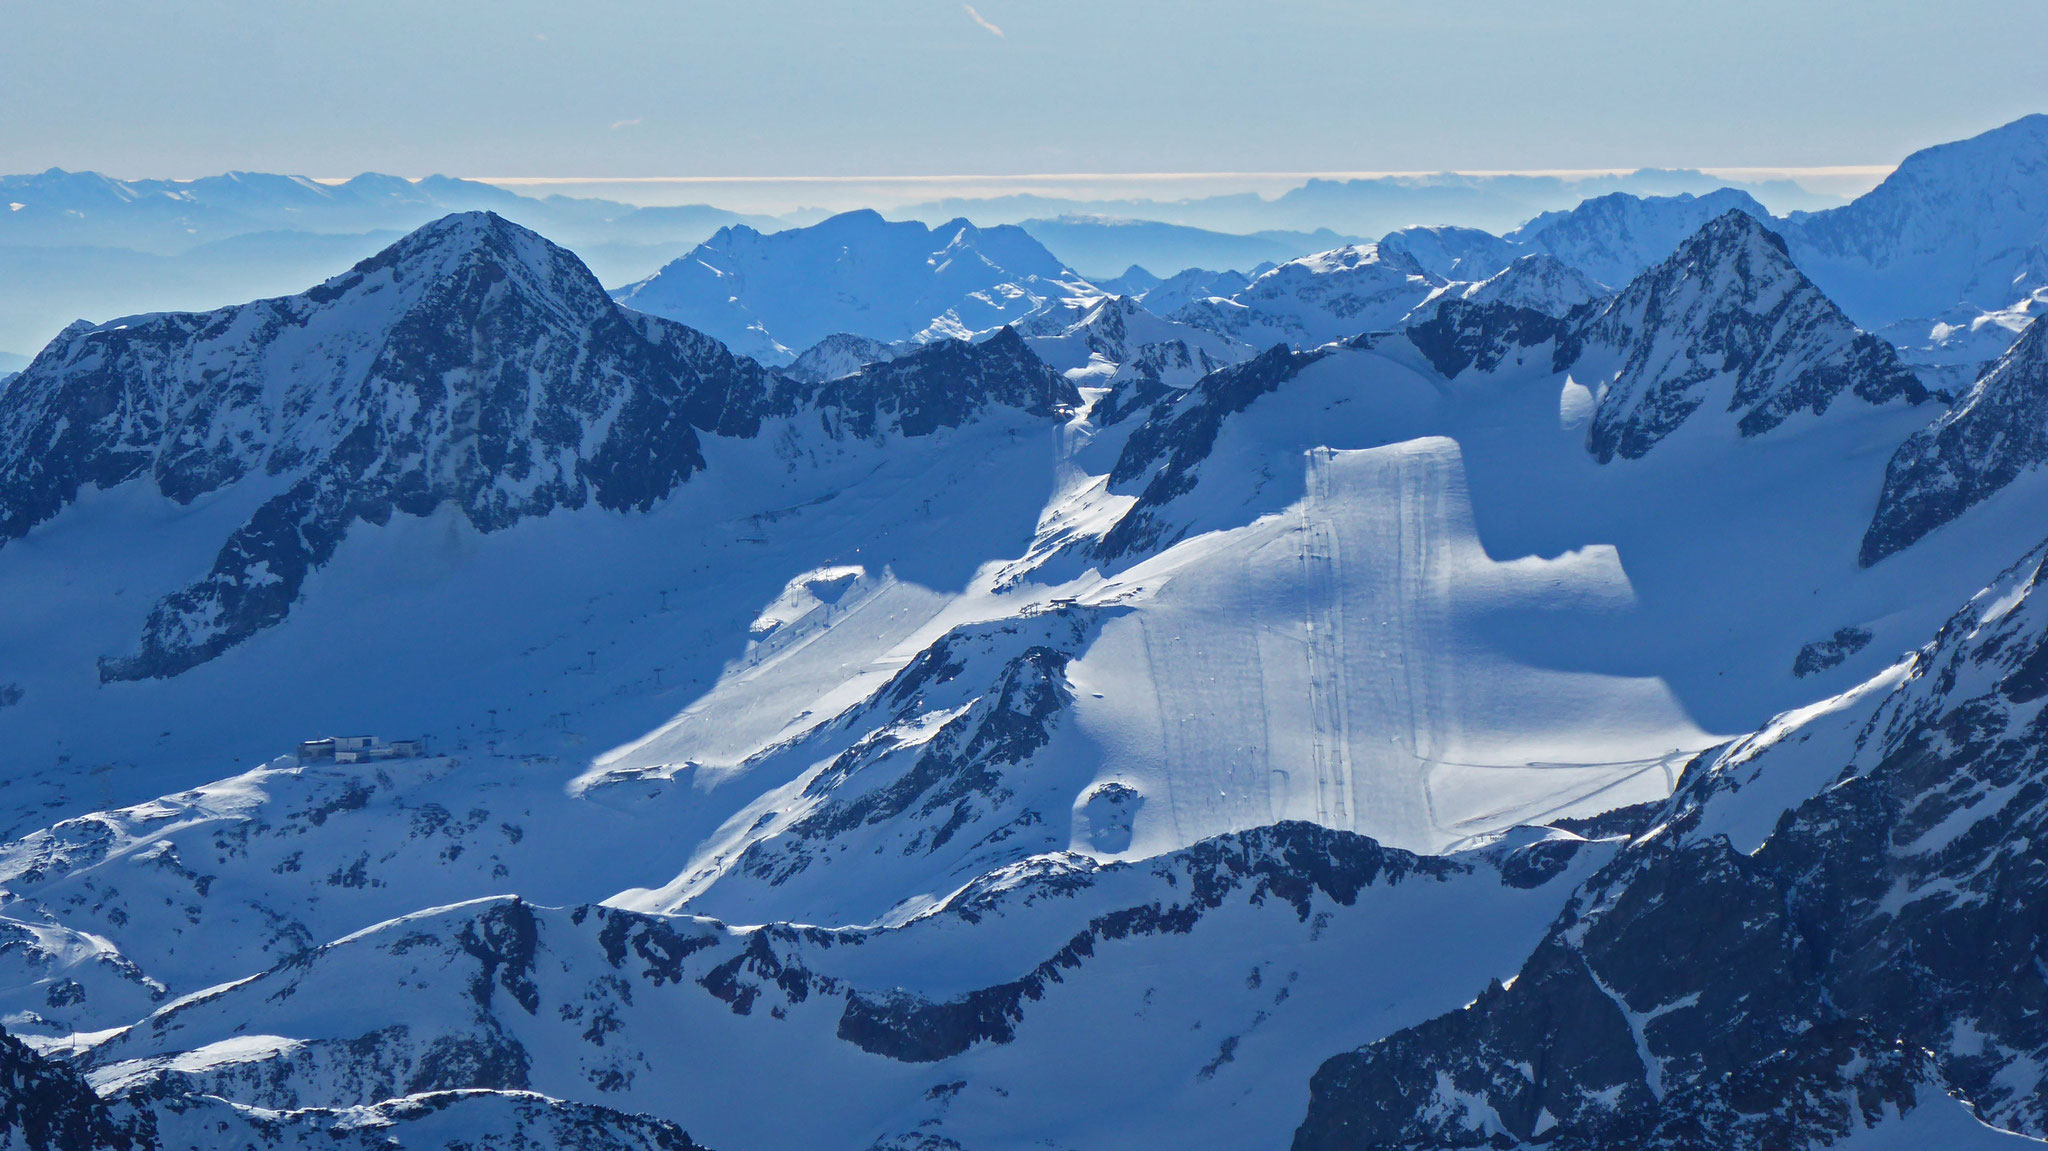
<point x="1315" y="299"/>
<point x="1455" y="254"/>
<point x="840" y="354"/>
<point x="1539" y="282"/>
<point x="1112" y="340"/>
<point x="1615" y="238"/>
<point x="1960" y="223"/>
<point x="771" y="296"/>
<point x="398" y="387"/>
<point x="1191" y="284"/>
<point x="471" y="365"/>
<point x="1751" y="329"/>
<point x="930" y="729"/>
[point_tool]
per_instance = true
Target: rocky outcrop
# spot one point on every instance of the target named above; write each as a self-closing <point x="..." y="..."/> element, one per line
<point x="1166" y="451"/>
<point x="1726" y="315"/>
<point x="944" y="385"/>
<point x="48" y="1106"/>
<point x="1996" y="434"/>
<point x="1834" y="921"/>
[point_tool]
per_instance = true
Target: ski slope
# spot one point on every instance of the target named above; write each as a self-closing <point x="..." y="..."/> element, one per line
<point x="1333" y="662"/>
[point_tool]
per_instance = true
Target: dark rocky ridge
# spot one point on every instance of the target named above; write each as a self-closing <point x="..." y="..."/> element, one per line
<point x="1998" y="432"/>
<point x="1461" y="334"/>
<point x="1879" y="947"/>
<point x="506" y="961"/>
<point x="47" y="1106"/>
<point x="943" y="385"/>
<point x="1168" y="448"/>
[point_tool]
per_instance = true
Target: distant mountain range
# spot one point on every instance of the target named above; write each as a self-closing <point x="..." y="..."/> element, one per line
<point x="1371" y="206"/>
<point x="58" y="209"/>
<point x="1108" y="246"/>
<point x="84" y="245"/>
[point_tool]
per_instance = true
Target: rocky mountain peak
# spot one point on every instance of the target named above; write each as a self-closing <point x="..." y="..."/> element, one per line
<point x="1540" y="282"/>
<point x="1997" y="433"/>
<point x="463" y="237"/>
<point x="1962" y="223"/>
<point x="1616" y="237"/>
<point x="1726" y="318"/>
<point x="837" y="355"/>
<point x="471" y="362"/>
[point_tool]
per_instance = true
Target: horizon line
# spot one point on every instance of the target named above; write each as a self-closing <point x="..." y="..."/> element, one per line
<point x="1787" y="171"/>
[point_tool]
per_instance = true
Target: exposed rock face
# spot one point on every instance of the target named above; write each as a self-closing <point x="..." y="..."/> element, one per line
<point x="47" y="1106"/>
<point x="1822" y="654"/>
<point x="1168" y="448"/>
<point x="1114" y="340"/>
<point x="1534" y="300"/>
<point x="1835" y="919"/>
<point x="1461" y="333"/>
<point x="1727" y="313"/>
<point x="472" y="363"/>
<point x="1996" y="434"/>
<point x="944" y="385"/>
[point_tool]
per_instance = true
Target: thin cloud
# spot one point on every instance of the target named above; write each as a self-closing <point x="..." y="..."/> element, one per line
<point x="633" y="123"/>
<point x="983" y="20"/>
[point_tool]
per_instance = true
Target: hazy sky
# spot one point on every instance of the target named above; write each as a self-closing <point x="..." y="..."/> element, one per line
<point x="896" y="87"/>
